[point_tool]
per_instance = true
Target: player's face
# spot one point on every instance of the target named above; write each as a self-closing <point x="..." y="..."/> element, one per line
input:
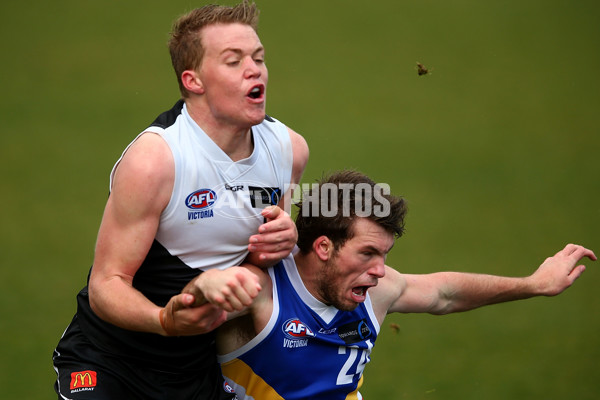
<point x="233" y="74"/>
<point x="356" y="267"/>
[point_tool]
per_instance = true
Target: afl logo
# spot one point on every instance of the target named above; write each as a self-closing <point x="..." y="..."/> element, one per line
<point x="201" y="199"/>
<point x="296" y="329"/>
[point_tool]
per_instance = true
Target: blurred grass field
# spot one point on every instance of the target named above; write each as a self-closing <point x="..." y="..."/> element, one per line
<point x="495" y="150"/>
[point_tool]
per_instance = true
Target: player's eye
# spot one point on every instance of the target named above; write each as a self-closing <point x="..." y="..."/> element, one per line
<point x="232" y="62"/>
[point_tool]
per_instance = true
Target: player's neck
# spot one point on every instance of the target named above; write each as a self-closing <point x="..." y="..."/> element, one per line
<point x="237" y="146"/>
<point x="308" y="266"/>
<point x="234" y="139"/>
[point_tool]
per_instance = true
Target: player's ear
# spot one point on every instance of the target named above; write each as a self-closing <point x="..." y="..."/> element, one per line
<point x="323" y="248"/>
<point x="192" y="82"/>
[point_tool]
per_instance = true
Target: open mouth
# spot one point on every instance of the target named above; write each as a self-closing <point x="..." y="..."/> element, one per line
<point x="359" y="293"/>
<point x="256" y="92"/>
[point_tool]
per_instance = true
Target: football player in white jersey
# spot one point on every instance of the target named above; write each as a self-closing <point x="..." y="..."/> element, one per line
<point x="218" y="91"/>
<point x="219" y="62"/>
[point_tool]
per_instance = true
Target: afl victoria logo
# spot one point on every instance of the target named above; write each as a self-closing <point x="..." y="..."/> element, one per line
<point x="296" y="329"/>
<point x="201" y="199"/>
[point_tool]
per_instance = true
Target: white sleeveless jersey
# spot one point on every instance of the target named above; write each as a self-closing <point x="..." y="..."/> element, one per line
<point x="216" y="203"/>
<point x="214" y="208"/>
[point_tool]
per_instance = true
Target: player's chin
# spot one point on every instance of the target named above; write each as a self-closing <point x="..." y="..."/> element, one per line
<point x="252" y="120"/>
<point x="258" y="117"/>
<point x="350" y="302"/>
<point x="347" y="306"/>
<point x="256" y="113"/>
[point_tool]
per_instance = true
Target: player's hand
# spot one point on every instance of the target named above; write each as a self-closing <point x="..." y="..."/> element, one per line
<point x="559" y="272"/>
<point x="232" y="289"/>
<point x="181" y="318"/>
<point x="275" y="240"/>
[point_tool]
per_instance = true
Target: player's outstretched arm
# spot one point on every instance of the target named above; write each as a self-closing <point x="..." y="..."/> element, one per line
<point x="447" y="292"/>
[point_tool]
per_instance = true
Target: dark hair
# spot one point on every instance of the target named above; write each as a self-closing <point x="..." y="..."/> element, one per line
<point x="185" y="44"/>
<point x="330" y="208"/>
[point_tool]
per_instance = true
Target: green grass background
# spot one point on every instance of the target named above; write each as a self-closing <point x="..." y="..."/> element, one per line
<point x="496" y="152"/>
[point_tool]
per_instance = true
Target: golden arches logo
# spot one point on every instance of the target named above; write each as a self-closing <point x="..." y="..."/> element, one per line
<point x="83" y="379"/>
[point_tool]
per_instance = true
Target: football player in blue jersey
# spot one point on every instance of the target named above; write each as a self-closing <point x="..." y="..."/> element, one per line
<point x="326" y="303"/>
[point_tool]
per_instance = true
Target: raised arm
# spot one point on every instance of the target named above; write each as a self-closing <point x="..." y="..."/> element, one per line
<point x="448" y="292"/>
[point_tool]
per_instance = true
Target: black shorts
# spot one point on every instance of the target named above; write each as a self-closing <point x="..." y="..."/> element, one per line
<point x="85" y="372"/>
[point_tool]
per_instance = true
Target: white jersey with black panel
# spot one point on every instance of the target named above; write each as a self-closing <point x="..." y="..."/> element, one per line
<point x="216" y="202"/>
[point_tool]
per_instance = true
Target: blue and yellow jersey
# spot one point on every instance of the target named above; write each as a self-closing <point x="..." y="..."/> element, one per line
<point x="307" y="350"/>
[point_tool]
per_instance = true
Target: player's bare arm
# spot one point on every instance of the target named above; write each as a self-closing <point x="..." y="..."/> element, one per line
<point x="448" y="292"/>
<point x="277" y="237"/>
<point x="232" y="289"/>
<point x="241" y="327"/>
<point x="180" y="317"/>
<point x="141" y="190"/>
<point x="211" y="298"/>
<point x="237" y="290"/>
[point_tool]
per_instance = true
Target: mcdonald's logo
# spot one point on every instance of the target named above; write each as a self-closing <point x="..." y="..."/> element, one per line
<point x="83" y="379"/>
